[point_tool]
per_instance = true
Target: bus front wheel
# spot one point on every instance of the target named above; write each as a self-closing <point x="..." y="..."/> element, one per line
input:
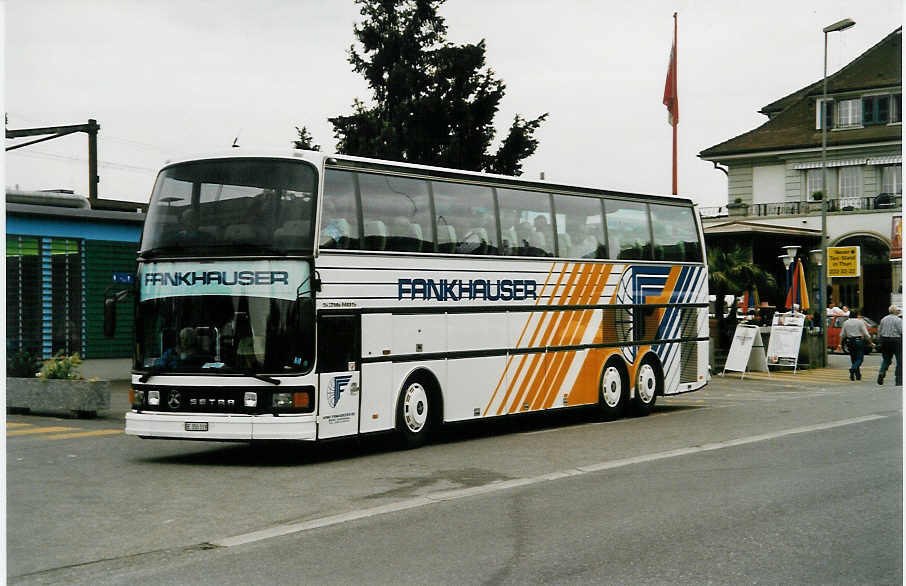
<point x="414" y="413"/>
<point x="614" y="392"/>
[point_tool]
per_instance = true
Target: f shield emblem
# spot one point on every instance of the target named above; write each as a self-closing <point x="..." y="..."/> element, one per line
<point x="337" y="386"/>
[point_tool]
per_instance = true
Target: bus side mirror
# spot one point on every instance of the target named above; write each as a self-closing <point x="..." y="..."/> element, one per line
<point x="110" y="301"/>
<point x="109" y="317"/>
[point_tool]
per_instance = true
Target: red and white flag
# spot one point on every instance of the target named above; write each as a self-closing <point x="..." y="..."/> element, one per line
<point x="671" y="97"/>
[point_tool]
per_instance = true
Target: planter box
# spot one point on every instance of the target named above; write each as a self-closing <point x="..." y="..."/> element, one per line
<point x="82" y="398"/>
<point x="737" y="209"/>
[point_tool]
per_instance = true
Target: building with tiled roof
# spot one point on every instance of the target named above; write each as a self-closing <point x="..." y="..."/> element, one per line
<point x="775" y="174"/>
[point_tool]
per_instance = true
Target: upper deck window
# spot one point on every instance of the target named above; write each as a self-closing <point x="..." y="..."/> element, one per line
<point x="232" y="206"/>
<point x="628" y="229"/>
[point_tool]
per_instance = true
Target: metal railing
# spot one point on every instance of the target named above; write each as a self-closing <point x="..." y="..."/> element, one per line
<point x="884" y="201"/>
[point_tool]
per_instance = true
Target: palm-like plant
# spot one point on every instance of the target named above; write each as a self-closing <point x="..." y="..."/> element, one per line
<point x="730" y="272"/>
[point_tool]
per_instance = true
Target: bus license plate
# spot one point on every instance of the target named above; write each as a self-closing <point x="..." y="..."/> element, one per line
<point x="196" y="426"/>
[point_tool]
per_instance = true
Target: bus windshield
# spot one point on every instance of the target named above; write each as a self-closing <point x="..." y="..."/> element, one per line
<point x="228" y="206"/>
<point x="222" y="334"/>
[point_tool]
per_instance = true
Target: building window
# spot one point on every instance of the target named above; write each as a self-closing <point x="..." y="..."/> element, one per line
<point x="45" y="295"/>
<point x="66" y="295"/>
<point x="850" y="185"/>
<point x="23" y="295"/>
<point x="848" y="113"/>
<point x="892" y="179"/>
<point x="814" y="182"/>
<point x="875" y="110"/>
<point x="827" y="108"/>
<point x="896" y="107"/>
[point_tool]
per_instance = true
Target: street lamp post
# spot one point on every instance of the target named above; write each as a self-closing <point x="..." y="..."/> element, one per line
<point x="787" y="262"/>
<point x="818" y="258"/>
<point x="837" y="26"/>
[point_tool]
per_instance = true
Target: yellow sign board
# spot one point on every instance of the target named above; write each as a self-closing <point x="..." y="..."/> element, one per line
<point x="844" y="261"/>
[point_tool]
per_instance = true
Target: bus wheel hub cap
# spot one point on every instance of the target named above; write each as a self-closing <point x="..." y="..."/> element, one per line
<point x="612" y="387"/>
<point x="415" y="407"/>
<point x="647" y="383"/>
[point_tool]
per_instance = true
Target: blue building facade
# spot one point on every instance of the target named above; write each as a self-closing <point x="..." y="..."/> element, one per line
<point x="62" y="255"/>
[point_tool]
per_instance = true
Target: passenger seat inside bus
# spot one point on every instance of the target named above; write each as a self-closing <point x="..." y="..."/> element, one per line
<point x="293" y="233"/>
<point x="566" y="244"/>
<point x="375" y="235"/>
<point x="509" y="244"/>
<point x="240" y="233"/>
<point x="475" y="241"/>
<point x="335" y="233"/>
<point x="405" y="236"/>
<point x="446" y="238"/>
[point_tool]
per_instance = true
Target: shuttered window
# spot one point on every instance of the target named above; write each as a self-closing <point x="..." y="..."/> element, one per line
<point x="45" y="295"/>
<point x="66" y="278"/>
<point x="23" y="295"/>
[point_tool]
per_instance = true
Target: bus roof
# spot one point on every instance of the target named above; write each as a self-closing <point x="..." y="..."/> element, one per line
<point x="364" y="163"/>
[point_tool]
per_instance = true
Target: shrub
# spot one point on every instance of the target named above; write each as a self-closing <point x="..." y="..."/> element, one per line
<point x="22" y="364"/>
<point x="61" y="367"/>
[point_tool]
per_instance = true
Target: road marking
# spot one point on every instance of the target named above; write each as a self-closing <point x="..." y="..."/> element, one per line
<point x="817" y="375"/>
<point x="460" y="493"/>
<point x="96" y="432"/>
<point x="8" y="424"/>
<point x="38" y="430"/>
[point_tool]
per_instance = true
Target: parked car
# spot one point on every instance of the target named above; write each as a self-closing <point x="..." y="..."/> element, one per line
<point x="835" y="323"/>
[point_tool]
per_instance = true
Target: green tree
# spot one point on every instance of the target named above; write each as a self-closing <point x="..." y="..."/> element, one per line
<point x="434" y="102"/>
<point x="730" y="272"/>
<point x="305" y="140"/>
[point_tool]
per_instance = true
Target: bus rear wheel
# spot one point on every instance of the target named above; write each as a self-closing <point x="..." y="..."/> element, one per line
<point x="414" y="413"/>
<point x="614" y="393"/>
<point x="648" y="384"/>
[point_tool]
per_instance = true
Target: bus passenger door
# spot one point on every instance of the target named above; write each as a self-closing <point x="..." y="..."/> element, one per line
<point x="338" y="375"/>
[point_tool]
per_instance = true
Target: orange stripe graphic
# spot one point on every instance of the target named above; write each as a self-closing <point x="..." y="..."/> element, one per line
<point x="509" y="359"/>
<point x="565" y="337"/>
<point x="522" y="360"/>
<point x="537" y="359"/>
<point x="584" y="318"/>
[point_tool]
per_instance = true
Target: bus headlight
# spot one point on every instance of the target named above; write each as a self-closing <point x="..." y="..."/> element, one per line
<point x="283" y="400"/>
<point x="292" y="401"/>
<point x="153" y="397"/>
<point x="250" y="400"/>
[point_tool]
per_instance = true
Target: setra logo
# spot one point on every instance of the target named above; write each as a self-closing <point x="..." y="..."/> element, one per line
<point x="336" y="389"/>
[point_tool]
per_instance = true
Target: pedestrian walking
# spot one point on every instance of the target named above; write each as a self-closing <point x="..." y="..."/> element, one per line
<point x="855" y="332"/>
<point x="890" y="330"/>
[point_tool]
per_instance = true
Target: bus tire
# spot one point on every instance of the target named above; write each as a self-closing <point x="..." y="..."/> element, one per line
<point x="415" y="412"/>
<point x="613" y="391"/>
<point x="649" y="383"/>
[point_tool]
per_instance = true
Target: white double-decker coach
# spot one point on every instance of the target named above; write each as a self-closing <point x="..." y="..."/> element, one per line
<point x="309" y="296"/>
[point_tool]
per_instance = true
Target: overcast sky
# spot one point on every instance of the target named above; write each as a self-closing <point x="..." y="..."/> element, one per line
<point x="164" y="78"/>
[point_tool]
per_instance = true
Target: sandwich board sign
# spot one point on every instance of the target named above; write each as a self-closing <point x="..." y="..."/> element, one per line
<point x="746" y="351"/>
<point x="786" y="335"/>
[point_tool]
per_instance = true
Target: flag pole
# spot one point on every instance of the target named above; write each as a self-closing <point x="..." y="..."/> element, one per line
<point x="676" y="97"/>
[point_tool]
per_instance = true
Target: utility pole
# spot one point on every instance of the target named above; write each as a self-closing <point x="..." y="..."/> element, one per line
<point x="56" y="132"/>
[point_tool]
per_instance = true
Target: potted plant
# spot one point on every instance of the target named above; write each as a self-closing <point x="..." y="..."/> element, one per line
<point x="815" y="202"/>
<point x="57" y="386"/>
<point x="738" y="208"/>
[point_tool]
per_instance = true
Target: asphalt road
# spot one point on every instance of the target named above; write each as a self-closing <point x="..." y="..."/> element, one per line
<point x="768" y="480"/>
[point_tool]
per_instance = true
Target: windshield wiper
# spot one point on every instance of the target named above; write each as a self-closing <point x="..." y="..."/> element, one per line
<point x="156" y="369"/>
<point x="247" y="372"/>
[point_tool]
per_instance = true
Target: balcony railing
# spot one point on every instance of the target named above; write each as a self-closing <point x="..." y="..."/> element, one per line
<point x="884" y="201"/>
